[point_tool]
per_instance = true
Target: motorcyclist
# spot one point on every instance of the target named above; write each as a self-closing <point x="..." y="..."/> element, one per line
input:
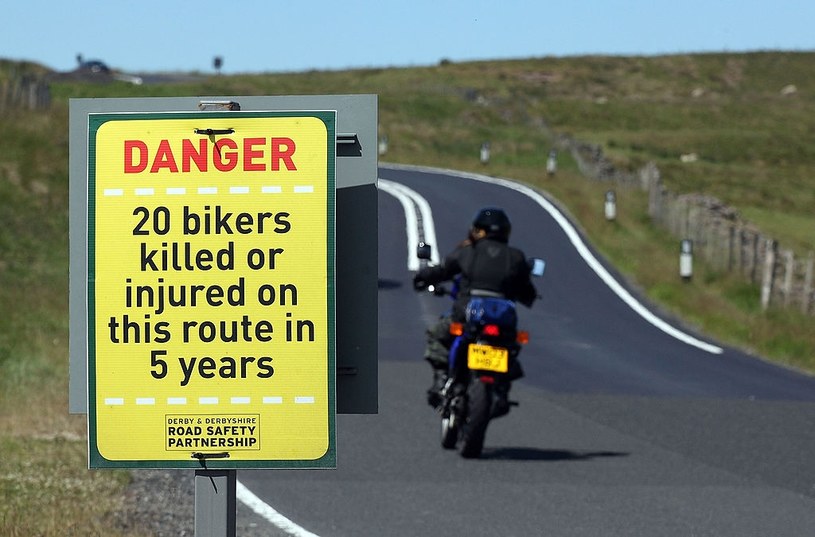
<point x="484" y="262"/>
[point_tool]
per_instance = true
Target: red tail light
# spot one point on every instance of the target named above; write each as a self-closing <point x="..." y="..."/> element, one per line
<point x="491" y="330"/>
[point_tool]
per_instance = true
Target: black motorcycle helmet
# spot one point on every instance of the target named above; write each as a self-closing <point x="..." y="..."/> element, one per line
<point x="494" y="222"/>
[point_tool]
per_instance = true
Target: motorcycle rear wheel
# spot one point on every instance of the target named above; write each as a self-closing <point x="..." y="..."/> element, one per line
<point x="474" y="428"/>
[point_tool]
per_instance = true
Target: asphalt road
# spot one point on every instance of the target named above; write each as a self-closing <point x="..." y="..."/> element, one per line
<point x="623" y="429"/>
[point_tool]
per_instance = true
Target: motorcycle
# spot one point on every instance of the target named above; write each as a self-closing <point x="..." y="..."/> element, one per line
<point x="483" y="363"/>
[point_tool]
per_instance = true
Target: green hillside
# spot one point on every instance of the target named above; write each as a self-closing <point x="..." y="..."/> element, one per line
<point x="747" y="119"/>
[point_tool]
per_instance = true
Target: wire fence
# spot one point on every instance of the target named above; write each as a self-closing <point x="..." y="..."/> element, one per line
<point x="719" y="236"/>
<point x="24" y="92"/>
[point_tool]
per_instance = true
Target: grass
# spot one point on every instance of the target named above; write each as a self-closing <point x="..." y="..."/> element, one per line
<point x="754" y="153"/>
<point x="48" y="477"/>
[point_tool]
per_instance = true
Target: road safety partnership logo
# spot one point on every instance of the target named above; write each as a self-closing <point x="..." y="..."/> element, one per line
<point x="211" y="288"/>
<point x="213" y="432"/>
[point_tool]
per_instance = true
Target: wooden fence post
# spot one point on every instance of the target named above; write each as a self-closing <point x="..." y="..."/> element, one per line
<point x="739" y="240"/>
<point x="754" y="258"/>
<point x="789" y="273"/>
<point x="806" y="299"/>
<point x="731" y="247"/>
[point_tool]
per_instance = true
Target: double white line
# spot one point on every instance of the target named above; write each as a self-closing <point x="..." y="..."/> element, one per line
<point x="418" y="221"/>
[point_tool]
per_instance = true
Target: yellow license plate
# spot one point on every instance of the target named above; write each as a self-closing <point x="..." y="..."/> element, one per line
<point x="487" y="358"/>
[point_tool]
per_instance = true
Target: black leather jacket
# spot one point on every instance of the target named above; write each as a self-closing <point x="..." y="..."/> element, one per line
<point x="488" y="265"/>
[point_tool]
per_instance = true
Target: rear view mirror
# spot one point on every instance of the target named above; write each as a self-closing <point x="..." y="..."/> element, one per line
<point x="423" y="251"/>
<point x="537" y="266"/>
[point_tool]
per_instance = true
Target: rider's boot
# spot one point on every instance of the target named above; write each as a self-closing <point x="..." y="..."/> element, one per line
<point x="434" y="397"/>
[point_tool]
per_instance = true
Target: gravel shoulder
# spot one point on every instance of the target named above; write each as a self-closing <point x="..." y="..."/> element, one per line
<point x="161" y="503"/>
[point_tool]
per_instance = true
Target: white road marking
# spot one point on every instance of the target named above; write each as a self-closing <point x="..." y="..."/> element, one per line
<point x="267" y="512"/>
<point x="410" y="199"/>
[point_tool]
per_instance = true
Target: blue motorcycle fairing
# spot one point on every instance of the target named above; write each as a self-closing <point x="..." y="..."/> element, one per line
<point x="490" y="310"/>
<point x="479" y="312"/>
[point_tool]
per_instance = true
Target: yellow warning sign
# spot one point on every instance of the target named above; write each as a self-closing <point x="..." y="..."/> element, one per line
<point x="211" y="289"/>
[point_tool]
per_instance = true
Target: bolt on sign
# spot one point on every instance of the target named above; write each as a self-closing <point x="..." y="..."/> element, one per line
<point x="211" y="289"/>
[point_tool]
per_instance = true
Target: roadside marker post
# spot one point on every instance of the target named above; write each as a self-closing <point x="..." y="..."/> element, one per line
<point x="610" y="206"/>
<point x="686" y="260"/>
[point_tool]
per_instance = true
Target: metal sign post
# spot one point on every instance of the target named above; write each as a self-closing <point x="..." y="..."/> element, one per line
<point x="215" y="503"/>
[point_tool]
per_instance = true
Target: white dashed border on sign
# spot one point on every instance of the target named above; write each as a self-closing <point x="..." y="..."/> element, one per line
<point x="208" y="190"/>
<point x="234" y="400"/>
